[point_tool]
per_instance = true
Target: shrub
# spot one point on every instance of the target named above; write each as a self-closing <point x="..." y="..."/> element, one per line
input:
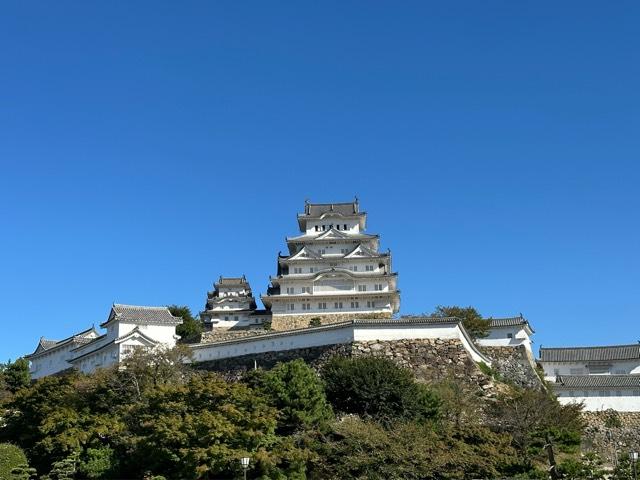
<point x="11" y="457"/>
<point x="296" y="391"/>
<point x="377" y="388"/>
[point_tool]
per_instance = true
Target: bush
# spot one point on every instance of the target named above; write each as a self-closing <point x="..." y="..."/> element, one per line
<point x="296" y="391"/>
<point x="11" y="457"/>
<point x="377" y="388"/>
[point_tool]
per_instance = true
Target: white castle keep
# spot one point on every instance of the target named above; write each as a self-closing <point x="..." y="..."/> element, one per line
<point x="333" y="287"/>
<point x="334" y="270"/>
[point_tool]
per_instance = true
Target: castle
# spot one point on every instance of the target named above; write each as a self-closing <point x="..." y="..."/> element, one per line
<point x="336" y="292"/>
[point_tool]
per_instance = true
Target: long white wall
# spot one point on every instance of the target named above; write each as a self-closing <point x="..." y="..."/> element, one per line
<point x="552" y="369"/>
<point x="627" y="401"/>
<point x="332" y="335"/>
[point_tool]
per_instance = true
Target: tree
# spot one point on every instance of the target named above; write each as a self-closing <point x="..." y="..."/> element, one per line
<point x="11" y="457"/>
<point x="16" y="375"/>
<point x="471" y="319"/>
<point x="200" y="429"/>
<point x="191" y="328"/>
<point x="587" y="467"/>
<point x="297" y="392"/>
<point x="529" y="415"/>
<point x="362" y="449"/>
<point x="146" y="368"/>
<point x="377" y="388"/>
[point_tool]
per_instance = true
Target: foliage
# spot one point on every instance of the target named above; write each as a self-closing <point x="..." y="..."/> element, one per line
<point x="612" y="419"/>
<point x="315" y="322"/>
<point x="200" y="429"/>
<point x="97" y="463"/>
<point x="377" y="388"/>
<point x="624" y="468"/>
<point x="473" y="322"/>
<point x="588" y="467"/>
<point x="11" y="456"/>
<point x="297" y="392"/>
<point x="528" y="415"/>
<point x="457" y="402"/>
<point x="15" y="375"/>
<point x="64" y="469"/>
<point x="191" y="328"/>
<point x="363" y="449"/>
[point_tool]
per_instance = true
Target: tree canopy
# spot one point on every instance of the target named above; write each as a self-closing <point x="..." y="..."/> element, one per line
<point x="473" y="322"/>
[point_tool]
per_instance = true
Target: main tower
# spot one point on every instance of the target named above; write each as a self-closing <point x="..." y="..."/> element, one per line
<point x="334" y="271"/>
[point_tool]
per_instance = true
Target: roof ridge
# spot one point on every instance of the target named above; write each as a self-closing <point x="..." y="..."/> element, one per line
<point x="141" y="307"/>
<point x="592" y="347"/>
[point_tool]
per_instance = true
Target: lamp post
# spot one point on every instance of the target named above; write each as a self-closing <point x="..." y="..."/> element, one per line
<point x="633" y="458"/>
<point x="244" y="463"/>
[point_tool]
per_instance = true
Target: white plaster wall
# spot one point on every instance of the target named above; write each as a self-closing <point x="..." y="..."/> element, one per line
<point x="626" y="403"/>
<point x="628" y="366"/>
<point x="353" y="226"/>
<point x="51" y="362"/>
<point x="104" y="358"/>
<point x="498" y="337"/>
<point x="274" y="344"/>
<point x="382" y="305"/>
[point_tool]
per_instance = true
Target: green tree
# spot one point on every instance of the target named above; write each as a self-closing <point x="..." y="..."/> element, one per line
<point x="297" y="392"/>
<point x="11" y="456"/>
<point x="200" y="429"/>
<point x="361" y="449"/>
<point x="97" y="463"/>
<point x="16" y="375"/>
<point x="190" y="330"/>
<point x="587" y="467"/>
<point x="471" y="319"/>
<point x="528" y="415"/>
<point x="377" y="388"/>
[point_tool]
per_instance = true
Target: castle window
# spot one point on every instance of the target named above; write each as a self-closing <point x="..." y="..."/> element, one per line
<point x="362" y="288"/>
<point x="337" y="305"/>
<point x="345" y="226"/>
<point x="378" y="287"/>
<point x="317" y="228"/>
<point x="322" y="306"/>
<point x="338" y="226"/>
<point x="291" y="306"/>
<point x="290" y="290"/>
<point x="312" y="270"/>
<point x="235" y="317"/>
<point x="509" y="335"/>
<point x="355" y="305"/>
<point x="368" y="268"/>
<point x="354" y="268"/>
<point x="306" y="306"/>
<point x="324" y="227"/>
<point x="371" y="304"/>
<point x="297" y="269"/>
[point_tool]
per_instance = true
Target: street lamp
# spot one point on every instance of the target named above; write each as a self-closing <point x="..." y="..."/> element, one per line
<point x="633" y="458"/>
<point x="244" y="463"/>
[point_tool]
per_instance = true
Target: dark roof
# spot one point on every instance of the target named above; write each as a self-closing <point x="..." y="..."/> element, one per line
<point x="597" y="381"/>
<point x="590" y="354"/>
<point x="232" y="281"/>
<point x="509" y="322"/>
<point x="142" y="315"/>
<point x="318" y="209"/>
<point x="427" y="320"/>
<point x="78" y="338"/>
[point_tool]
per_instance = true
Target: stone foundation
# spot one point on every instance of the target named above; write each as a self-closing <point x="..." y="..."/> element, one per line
<point x="611" y="434"/>
<point x="431" y="360"/>
<point x="294" y="322"/>
<point x="221" y="334"/>
<point x="513" y="365"/>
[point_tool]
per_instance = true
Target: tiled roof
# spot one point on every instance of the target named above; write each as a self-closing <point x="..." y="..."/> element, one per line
<point x="597" y="381"/>
<point x="317" y="209"/>
<point x="590" y="354"/>
<point x="79" y="338"/>
<point x="509" y="322"/>
<point x="142" y="315"/>
<point x="232" y="281"/>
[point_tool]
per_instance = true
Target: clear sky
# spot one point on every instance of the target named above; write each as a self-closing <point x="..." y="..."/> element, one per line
<point x="148" y="147"/>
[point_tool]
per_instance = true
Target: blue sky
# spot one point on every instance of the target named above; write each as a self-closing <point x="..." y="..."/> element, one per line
<point x="148" y="147"/>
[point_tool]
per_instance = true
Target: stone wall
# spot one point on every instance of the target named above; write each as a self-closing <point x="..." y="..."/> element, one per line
<point x="431" y="360"/>
<point x="611" y="434"/>
<point x="293" y="322"/>
<point x="514" y="365"/>
<point x="221" y="334"/>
